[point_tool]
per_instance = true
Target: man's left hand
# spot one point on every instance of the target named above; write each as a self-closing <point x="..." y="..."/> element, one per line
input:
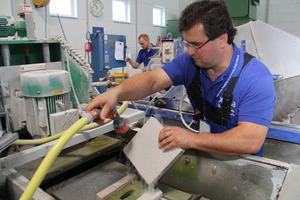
<point x="173" y="136"/>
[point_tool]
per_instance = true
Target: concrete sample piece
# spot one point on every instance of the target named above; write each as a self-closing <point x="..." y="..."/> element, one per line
<point x="149" y="160"/>
<point x="155" y="195"/>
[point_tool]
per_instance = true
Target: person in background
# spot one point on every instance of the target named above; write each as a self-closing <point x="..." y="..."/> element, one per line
<point x="144" y="54"/>
<point x="232" y="92"/>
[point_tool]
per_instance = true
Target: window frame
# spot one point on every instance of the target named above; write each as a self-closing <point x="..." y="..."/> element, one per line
<point x="72" y="4"/>
<point x="162" y="19"/>
<point x="127" y="11"/>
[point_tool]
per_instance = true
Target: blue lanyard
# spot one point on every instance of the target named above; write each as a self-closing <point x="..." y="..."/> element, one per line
<point x="230" y="76"/>
<point x="224" y="85"/>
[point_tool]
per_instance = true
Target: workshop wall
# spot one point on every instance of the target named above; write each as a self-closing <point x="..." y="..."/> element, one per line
<point x="284" y="15"/>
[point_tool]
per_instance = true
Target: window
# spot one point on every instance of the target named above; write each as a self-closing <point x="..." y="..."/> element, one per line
<point x="64" y="8"/>
<point x="158" y="16"/>
<point x="121" y="11"/>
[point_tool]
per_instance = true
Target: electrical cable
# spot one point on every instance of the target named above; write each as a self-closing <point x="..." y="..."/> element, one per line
<point x="156" y="96"/>
<point x="181" y="117"/>
<point x="58" y="17"/>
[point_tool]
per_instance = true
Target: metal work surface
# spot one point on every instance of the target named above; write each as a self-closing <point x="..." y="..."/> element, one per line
<point x="218" y="177"/>
<point x="282" y="151"/>
<point x="88" y="184"/>
<point x="287" y="102"/>
<point x="73" y="157"/>
<point x="130" y="188"/>
<point x="291" y="183"/>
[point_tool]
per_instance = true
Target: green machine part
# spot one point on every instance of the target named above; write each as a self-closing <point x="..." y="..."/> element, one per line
<point x="172" y="27"/>
<point x="20" y="25"/>
<point x="26" y="52"/>
<point x="45" y="83"/>
<point x="23" y="52"/>
<point x="241" y="12"/>
<point x="80" y="83"/>
<point x="6" y="26"/>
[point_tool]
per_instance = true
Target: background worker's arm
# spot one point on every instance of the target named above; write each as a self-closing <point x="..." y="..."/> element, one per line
<point x="133" y="64"/>
<point x="134" y="88"/>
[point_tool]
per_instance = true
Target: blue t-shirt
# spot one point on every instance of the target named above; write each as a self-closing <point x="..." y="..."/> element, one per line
<point x="253" y="95"/>
<point x="143" y="56"/>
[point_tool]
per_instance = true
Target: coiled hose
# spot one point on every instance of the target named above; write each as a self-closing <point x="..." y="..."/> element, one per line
<point x="52" y="155"/>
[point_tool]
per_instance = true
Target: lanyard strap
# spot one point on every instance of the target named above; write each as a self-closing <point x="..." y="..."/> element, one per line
<point x="226" y="98"/>
<point x="230" y="76"/>
<point x="215" y="114"/>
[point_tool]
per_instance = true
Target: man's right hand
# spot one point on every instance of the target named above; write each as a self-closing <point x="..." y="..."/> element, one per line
<point x="106" y="102"/>
<point x="127" y="59"/>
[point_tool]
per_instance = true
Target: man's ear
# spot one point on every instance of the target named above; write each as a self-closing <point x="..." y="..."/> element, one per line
<point x="223" y="40"/>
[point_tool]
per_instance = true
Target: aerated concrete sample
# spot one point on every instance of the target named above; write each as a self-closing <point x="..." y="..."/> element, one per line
<point x="110" y="190"/>
<point x="149" y="160"/>
<point x="155" y="195"/>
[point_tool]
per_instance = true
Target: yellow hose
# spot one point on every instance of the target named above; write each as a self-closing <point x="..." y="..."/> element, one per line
<point x="54" y="152"/>
<point x="50" y="158"/>
<point x="121" y="109"/>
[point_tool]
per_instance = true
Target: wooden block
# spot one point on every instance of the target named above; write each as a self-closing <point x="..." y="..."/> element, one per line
<point x="110" y="190"/>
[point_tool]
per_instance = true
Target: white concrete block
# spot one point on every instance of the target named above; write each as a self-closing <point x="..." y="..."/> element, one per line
<point x="155" y="195"/>
<point x="149" y="160"/>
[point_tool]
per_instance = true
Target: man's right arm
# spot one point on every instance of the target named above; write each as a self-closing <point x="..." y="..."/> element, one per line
<point x="133" y="64"/>
<point x="134" y="88"/>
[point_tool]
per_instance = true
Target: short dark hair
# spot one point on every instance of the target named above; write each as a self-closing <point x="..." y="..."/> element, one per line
<point x="212" y="14"/>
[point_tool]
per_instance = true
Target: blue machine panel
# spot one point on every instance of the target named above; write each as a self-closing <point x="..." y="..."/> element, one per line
<point x="103" y="54"/>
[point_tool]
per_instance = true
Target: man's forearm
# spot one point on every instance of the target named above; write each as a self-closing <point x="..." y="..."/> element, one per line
<point x="247" y="138"/>
<point x="142" y="85"/>
<point x="135" y="88"/>
<point x="134" y="64"/>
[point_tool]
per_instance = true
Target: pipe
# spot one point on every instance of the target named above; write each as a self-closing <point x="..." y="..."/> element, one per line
<point x="46" y="53"/>
<point x="121" y="109"/>
<point x="6" y="54"/>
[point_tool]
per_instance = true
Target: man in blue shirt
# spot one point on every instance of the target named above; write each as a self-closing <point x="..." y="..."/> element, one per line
<point x="232" y="93"/>
<point x="144" y="54"/>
